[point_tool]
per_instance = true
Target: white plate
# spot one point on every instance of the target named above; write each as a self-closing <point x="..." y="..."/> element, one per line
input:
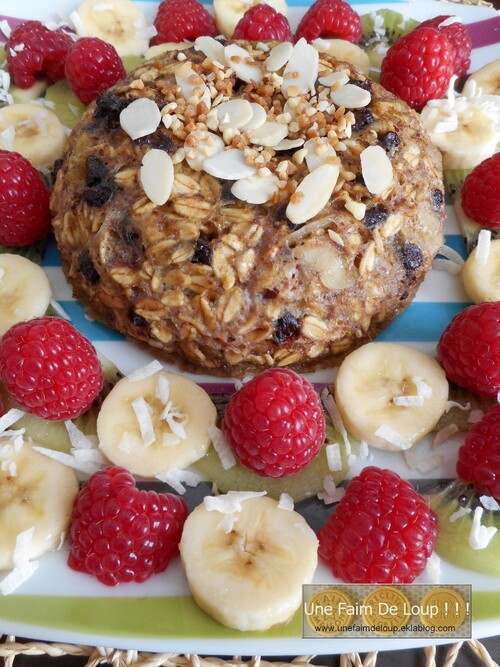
<point x="58" y="604"/>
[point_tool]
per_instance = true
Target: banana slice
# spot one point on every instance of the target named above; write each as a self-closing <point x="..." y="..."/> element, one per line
<point x="390" y="395"/>
<point x="23" y="95"/>
<point x="19" y="300"/>
<point x="481" y="280"/>
<point x="488" y="78"/>
<point x="34" y="131"/>
<point x="465" y="138"/>
<point x="341" y="49"/>
<point x="155" y="424"/>
<point x="34" y="491"/>
<point x="250" y="577"/>
<point x="119" y="22"/>
<point x="229" y="12"/>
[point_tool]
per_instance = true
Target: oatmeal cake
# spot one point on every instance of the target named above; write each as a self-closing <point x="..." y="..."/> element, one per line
<point x="236" y="207"/>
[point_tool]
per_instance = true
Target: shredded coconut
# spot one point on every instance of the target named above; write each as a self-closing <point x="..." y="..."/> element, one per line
<point x="483" y="246"/>
<point x="9" y="418"/>
<point x="430" y="463"/>
<point x="459" y="513"/>
<point x="475" y="416"/>
<point x="23" y="568"/>
<point x="286" y="502"/>
<point x="222" y="447"/>
<point x="143" y="413"/>
<point x="175" y="419"/>
<point x="145" y="372"/>
<point x="453" y="404"/>
<point x="423" y="389"/>
<point x="432" y="572"/>
<point x="163" y="389"/>
<point x="77" y="438"/>
<point x="489" y="503"/>
<point x="176" y="479"/>
<point x="444" y="434"/>
<point x="364" y="451"/>
<point x="5" y="28"/>
<point x="124" y="444"/>
<point x="391" y="436"/>
<point x="334" y="457"/>
<point x="408" y="401"/>
<point x="451" y="254"/>
<point x="78" y="24"/>
<point x="227" y="522"/>
<point x="230" y="503"/>
<point x="446" y="265"/>
<point x="480" y="536"/>
<point x="69" y="460"/>
<point x="338" y="423"/>
<point x="331" y="494"/>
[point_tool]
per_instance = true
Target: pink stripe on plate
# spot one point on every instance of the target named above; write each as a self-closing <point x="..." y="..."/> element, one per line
<point x="485" y="33"/>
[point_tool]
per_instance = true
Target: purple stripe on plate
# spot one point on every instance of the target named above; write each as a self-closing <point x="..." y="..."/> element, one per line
<point x="485" y="33"/>
<point x="12" y="23"/>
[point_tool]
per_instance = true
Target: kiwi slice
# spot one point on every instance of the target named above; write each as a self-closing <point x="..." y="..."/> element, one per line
<point x="131" y="62"/>
<point x="67" y="106"/>
<point x="453" y="537"/>
<point x="380" y="30"/>
<point x="461" y="417"/>
<point x="3" y="56"/>
<point x="454" y="179"/>
<point x="53" y="434"/>
<point x="33" y="252"/>
<point x="469" y="229"/>
<point x="305" y="484"/>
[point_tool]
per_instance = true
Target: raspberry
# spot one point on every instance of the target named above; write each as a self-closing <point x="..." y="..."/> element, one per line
<point x="330" y="18"/>
<point x="32" y="49"/>
<point x="469" y="349"/>
<point x="275" y="423"/>
<point x="179" y="20"/>
<point x="119" y="533"/>
<point x="459" y="38"/>
<point x="24" y="202"/>
<point x="92" y="66"/>
<point x="479" y="456"/>
<point x="262" y="22"/>
<point x="418" y="67"/>
<point x="382" y="531"/>
<point x="481" y="193"/>
<point x="50" y="368"/>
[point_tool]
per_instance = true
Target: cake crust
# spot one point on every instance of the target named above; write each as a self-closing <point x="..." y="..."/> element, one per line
<point x="216" y="285"/>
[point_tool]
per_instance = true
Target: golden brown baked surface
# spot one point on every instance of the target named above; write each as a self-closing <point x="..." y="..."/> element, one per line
<point x="221" y="286"/>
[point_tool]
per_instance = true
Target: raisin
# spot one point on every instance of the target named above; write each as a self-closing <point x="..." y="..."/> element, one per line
<point x="411" y="257"/>
<point x="128" y="233"/>
<point x="137" y="320"/>
<point x="100" y="185"/>
<point x="389" y="141"/>
<point x="284" y="327"/>
<point x="437" y="199"/>
<point x="364" y="117"/>
<point x="55" y="169"/>
<point x="108" y="109"/>
<point x="366" y="84"/>
<point x="87" y="269"/>
<point x="202" y="253"/>
<point x="225" y="191"/>
<point x="374" y="216"/>
<point x="158" y="139"/>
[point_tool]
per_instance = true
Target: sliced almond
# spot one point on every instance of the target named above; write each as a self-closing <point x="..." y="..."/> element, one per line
<point x="279" y="56"/>
<point x="339" y="78"/>
<point x="242" y="63"/>
<point x="229" y="165"/>
<point x="269" y="134"/>
<point x="301" y="71"/>
<point x="319" y="151"/>
<point x="258" y="118"/>
<point x="255" y="189"/>
<point x="351" y="96"/>
<point x="193" y="88"/>
<point x="206" y="145"/>
<point x="140" y="118"/>
<point x="312" y="194"/>
<point x="288" y="144"/>
<point x="376" y="169"/>
<point x="234" y="114"/>
<point x="157" y="175"/>
<point x="213" y="49"/>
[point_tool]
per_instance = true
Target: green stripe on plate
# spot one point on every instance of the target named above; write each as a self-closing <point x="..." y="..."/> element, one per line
<point x="154" y="617"/>
<point x="485" y="605"/>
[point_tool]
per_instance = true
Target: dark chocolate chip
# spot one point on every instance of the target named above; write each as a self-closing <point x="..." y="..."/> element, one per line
<point x="108" y="109"/>
<point x="375" y="216"/>
<point x="389" y="141"/>
<point x="161" y="140"/>
<point x="137" y="320"/>
<point x="95" y="171"/>
<point x="87" y="269"/>
<point x="411" y="257"/>
<point x="284" y="327"/>
<point x="270" y="294"/>
<point x="437" y="199"/>
<point x="203" y="252"/>
<point x="366" y="84"/>
<point x="364" y="117"/>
